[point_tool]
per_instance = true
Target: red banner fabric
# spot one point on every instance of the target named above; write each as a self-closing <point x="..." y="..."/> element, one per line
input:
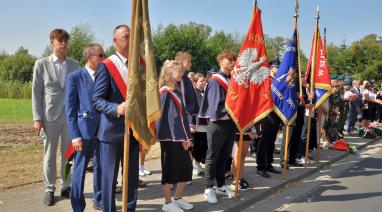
<point x="321" y="71"/>
<point x="249" y="97"/>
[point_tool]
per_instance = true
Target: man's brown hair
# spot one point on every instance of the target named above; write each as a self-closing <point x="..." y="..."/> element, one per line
<point x="230" y="55"/>
<point x="59" y="34"/>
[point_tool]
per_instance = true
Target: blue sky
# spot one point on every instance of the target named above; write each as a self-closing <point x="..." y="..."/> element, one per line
<point x="28" y="22"/>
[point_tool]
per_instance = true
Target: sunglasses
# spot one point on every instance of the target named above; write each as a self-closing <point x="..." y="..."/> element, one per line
<point x="100" y="55"/>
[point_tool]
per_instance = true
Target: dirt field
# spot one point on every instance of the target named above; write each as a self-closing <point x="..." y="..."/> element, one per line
<point x="16" y="135"/>
<point x="21" y="155"/>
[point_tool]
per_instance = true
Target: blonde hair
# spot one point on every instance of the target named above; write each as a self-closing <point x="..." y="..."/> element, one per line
<point x="165" y="77"/>
<point x="182" y="56"/>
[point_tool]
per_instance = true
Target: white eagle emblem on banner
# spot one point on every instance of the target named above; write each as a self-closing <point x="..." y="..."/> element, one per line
<point x="249" y="70"/>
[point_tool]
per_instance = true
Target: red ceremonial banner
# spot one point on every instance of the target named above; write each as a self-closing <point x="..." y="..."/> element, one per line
<point x="249" y="97"/>
<point x="321" y="71"/>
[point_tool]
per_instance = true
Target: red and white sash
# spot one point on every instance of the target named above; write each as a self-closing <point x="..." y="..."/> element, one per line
<point x="178" y="103"/>
<point x="118" y="72"/>
<point x="221" y="80"/>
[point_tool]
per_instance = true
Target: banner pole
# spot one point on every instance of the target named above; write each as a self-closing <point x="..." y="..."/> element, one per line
<point x="319" y="121"/>
<point x="238" y="164"/>
<point x="312" y="73"/>
<point x="296" y="16"/>
<point x="126" y="148"/>
<point x="286" y="148"/>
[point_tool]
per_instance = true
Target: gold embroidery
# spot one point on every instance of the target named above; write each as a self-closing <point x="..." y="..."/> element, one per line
<point x="266" y="95"/>
<point x="232" y="94"/>
<point x="152" y="84"/>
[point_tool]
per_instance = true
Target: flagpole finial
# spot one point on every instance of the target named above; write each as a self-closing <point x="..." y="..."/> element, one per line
<point x="255" y="4"/>
<point x="318" y="13"/>
<point x="296" y="8"/>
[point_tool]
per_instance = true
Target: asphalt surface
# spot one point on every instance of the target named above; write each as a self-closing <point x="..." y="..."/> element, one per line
<point x="358" y="189"/>
<point x="351" y="184"/>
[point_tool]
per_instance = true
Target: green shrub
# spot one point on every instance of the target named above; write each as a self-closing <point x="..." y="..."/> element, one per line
<point x="15" y="90"/>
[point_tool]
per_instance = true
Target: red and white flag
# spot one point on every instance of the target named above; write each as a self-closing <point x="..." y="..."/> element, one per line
<point x="249" y="97"/>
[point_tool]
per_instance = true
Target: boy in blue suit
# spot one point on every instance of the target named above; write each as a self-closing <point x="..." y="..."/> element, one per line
<point x="82" y="120"/>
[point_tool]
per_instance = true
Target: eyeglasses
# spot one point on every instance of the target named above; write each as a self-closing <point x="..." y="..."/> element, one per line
<point x="100" y="55"/>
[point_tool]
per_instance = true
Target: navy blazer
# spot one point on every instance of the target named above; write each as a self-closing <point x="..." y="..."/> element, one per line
<point x="192" y="106"/>
<point x="82" y="119"/>
<point x="213" y="102"/>
<point x="106" y="99"/>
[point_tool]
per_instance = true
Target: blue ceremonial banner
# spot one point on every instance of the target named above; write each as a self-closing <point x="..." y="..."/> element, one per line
<point x="285" y="84"/>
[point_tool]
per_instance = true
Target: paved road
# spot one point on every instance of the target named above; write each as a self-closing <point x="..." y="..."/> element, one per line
<point x="350" y="185"/>
<point x="358" y="189"/>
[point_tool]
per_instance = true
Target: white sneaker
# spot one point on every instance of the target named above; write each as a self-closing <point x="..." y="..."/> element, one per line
<point x="145" y="171"/>
<point x="141" y="173"/>
<point x="300" y="161"/>
<point x="198" y="167"/>
<point x="210" y="195"/>
<point x="195" y="172"/>
<point x="172" y="207"/>
<point x="183" y="204"/>
<point x="224" y="191"/>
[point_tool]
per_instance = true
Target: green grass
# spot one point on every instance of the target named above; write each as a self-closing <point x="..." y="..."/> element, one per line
<point x="16" y="111"/>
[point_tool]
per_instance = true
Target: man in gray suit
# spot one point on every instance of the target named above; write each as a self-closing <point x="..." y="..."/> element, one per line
<point x="48" y="97"/>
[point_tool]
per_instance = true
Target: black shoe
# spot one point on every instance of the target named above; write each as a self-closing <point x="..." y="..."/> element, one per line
<point x="65" y="192"/>
<point x="282" y="165"/>
<point x="294" y="163"/>
<point x="273" y="170"/>
<point x="97" y="207"/>
<point x="48" y="198"/>
<point x="263" y="173"/>
<point x="141" y="184"/>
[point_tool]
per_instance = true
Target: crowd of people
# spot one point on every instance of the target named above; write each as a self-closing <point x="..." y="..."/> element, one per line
<point x="86" y="106"/>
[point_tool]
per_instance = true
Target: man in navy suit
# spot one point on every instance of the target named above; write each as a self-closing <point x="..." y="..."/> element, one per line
<point x="82" y="120"/>
<point x="109" y="98"/>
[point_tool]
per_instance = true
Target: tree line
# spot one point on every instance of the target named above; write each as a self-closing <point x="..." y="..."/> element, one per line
<point x="362" y="58"/>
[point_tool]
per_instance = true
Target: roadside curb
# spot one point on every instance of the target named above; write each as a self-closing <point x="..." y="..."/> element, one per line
<point x="298" y="177"/>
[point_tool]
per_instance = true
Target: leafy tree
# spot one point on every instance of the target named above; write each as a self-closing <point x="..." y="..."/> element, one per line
<point x="17" y="67"/>
<point x="373" y="71"/>
<point x="22" y="50"/>
<point x="362" y="59"/>
<point x="109" y="51"/>
<point x="365" y="52"/>
<point x="3" y="55"/>
<point x="197" y="39"/>
<point x="275" y="47"/>
<point x="220" y="41"/>
<point x="80" y="36"/>
<point x="169" y="40"/>
<point x="47" y="51"/>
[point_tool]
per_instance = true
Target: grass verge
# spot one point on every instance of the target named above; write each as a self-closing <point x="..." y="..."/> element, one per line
<point x="16" y="111"/>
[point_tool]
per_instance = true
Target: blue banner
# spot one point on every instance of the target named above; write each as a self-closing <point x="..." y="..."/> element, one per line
<point x="285" y="84"/>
